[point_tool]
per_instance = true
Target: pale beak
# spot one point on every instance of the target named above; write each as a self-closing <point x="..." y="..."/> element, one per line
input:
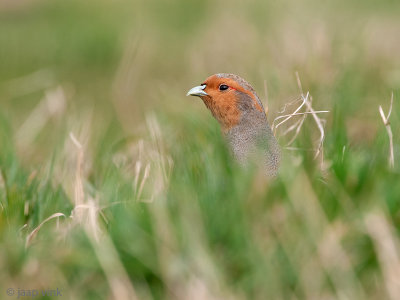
<point x="197" y="91"/>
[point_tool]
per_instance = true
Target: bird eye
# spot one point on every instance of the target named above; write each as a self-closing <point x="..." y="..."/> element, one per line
<point x="223" y="87"/>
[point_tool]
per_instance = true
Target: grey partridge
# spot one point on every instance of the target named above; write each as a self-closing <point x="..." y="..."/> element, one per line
<point x="235" y="105"/>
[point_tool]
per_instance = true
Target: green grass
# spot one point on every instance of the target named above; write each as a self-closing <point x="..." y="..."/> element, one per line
<point x="157" y="208"/>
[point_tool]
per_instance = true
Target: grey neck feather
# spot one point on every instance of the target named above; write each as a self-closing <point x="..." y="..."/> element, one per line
<point x="253" y="139"/>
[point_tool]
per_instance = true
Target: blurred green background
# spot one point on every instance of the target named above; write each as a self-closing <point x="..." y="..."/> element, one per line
<point x="95" y="126"/>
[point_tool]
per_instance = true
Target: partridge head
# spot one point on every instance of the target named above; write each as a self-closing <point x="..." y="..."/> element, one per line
<point x="235" y="105"/>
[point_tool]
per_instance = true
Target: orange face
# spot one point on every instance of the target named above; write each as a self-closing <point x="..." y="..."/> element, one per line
<point x="226" y="99"/>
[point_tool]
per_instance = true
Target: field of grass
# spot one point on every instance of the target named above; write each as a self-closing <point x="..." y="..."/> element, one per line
<point x="114" y="185"/>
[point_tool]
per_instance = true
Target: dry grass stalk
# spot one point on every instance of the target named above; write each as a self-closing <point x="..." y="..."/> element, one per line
<point x="26" y="208"/>
<point x="387" y="247"/>
<point x="138" y="167"/>
<point x="299" y="149"/>
<point x="329" y="256"/>
<point x="144" y="179"/>
<point x="318" y="120"/>
<point x="33" y="82"/>
<point x="163" y="163"/>
<point x="118" y="279"/>
<point x="138" y="187"/>
<point x="299" y="114"/>
<point x="386" y="122"/>
<point x="289" y="116"/>
<point x="23" y="227"/>
<point x="296" y="126"/>
<point x="306" y="101"/>
<point x="34" y="232"/>
<point x="290" y="103"/>
<point x="3" y="184"/>
<point x="51" y="105"/>
<point x="86" y="211"/>
<point x="78" y="187"/>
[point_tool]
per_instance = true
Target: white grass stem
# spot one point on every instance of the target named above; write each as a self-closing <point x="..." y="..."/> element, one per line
<point x="387" y="246"/>
<point x="34" y="232"/>
<point x="289" y="104"/>
<point x="386" y="122"/>
<point x="290" y="115"/>
<point x="316" y="118"/>
<point x="302" y="113"/>
<point x="144" y="179"/>
<point x="78" y="191"/>
<point x="320" y="127"/>
<point x="297" y="130"/>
